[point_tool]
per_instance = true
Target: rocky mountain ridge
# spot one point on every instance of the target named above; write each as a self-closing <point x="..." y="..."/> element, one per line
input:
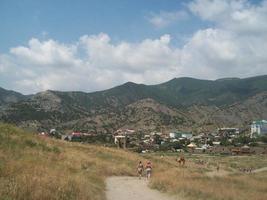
<point x="182" y="103"/>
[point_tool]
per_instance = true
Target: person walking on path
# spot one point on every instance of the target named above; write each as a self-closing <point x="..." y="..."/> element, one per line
<point x="148" y="169"/>
<point x="140" y="169"/>
<point x="218" y="167"/>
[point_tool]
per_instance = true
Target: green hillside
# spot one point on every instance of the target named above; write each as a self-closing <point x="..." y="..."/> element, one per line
<point x="9" y="96"/>
<point x="105" y="111"/>
<point x="188" y="91"/>
<point x="176" y="92"/>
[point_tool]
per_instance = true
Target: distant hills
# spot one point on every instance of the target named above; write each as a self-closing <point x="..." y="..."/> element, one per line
<point x="181" y="103"/>
<point x="9" y="96"/>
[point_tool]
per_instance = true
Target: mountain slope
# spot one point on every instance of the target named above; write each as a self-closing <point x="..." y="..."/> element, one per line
<point x="241" y="113"/>
<point x="9" y="96"/>
<point x="191" y="103"/>
<point x="189" y="91"/>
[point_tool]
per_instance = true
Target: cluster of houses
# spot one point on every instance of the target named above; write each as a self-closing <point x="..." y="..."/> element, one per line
<point x="175" y="140"/>
<point x="124" y="137"/>
<point x="213" y="142"/>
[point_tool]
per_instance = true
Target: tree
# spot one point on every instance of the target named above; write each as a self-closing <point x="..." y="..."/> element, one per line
<point x="225" y="142"/>
<point x="209" y="142"/>
<point x="262" y="139"/>
<point x="157" y="139"/>
<point x="243" y="140"/>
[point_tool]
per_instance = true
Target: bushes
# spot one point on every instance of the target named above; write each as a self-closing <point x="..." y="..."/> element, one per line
<point x="262" y="139"/>
<point x="170" y="146"/>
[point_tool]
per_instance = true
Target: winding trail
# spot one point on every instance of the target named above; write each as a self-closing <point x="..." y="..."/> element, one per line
<point x="131" y="188"/>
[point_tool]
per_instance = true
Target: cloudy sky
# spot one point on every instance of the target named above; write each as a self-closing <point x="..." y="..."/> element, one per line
<point x="97" y="44"/>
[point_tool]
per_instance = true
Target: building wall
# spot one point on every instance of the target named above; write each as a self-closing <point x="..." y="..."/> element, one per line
<point x="259" y="128"/>
<point x="264" y="129"/>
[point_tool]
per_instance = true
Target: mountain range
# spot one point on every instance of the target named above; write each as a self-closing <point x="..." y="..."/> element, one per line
<point x="185" y="104"/>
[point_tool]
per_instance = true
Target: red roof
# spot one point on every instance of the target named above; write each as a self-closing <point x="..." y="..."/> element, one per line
<point x="77" y="133"/>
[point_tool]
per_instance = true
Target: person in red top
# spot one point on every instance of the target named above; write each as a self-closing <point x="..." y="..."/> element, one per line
<point x="148" y="169"/>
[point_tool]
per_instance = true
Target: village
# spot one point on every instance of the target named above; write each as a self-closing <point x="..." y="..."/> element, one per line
<point x="226" y="141"/>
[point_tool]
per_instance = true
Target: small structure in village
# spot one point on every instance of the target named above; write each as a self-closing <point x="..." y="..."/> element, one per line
<point x="180" y="134"/>
<point x="241" y="150"/>
<point x="120" y="137"/>
<point x="121" y="141"/>
<point x="191" y="147"/>
<point x="228" y="132"/>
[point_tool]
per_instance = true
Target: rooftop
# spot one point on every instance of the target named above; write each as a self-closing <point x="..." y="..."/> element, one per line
<point x="260" y="122"/>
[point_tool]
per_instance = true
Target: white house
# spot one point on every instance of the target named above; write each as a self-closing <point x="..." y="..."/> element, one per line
<point x="258" y="128"/>
<point x="228" y="132"/>
<point x="180" y="134"/>
<point x="174" y="135"/>
<point x="187" y="135"/>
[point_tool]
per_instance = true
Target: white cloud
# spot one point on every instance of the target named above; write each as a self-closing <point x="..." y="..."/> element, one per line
<point x="164" y="19"/>
<point x="234" y="15"/>
<point x="233" y="46"/>
<point x="148" y="54"/>
<point x="49" y="64"/>
<point x="47" y="53"/>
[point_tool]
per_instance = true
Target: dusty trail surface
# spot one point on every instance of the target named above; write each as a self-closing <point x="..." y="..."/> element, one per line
<point x="131" y="188"/>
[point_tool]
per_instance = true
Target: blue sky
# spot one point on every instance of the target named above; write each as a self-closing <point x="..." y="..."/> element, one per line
<point x="65" y="20"/>
<point x="97" y="44"/>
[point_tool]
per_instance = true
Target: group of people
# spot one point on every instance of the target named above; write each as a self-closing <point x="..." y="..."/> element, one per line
<point x="246" y="170"/>
<point x="147" y="168"/>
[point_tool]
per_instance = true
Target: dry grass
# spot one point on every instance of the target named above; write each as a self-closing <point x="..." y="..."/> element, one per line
<point x="32" y="167"/>
<point x="192" y="182"/>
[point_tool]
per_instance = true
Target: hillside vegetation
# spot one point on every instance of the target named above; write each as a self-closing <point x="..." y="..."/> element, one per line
<point x="8" y="96"/>
<point x="193" y="104"/>
<point x="32" y="167"/>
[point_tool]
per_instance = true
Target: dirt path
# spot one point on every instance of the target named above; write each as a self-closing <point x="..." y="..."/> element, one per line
<point x="259" y="170"/>
<point x="131" y="188"/>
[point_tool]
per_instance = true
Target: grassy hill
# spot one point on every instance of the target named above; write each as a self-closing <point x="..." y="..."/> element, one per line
<point x="34" y="167"/>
